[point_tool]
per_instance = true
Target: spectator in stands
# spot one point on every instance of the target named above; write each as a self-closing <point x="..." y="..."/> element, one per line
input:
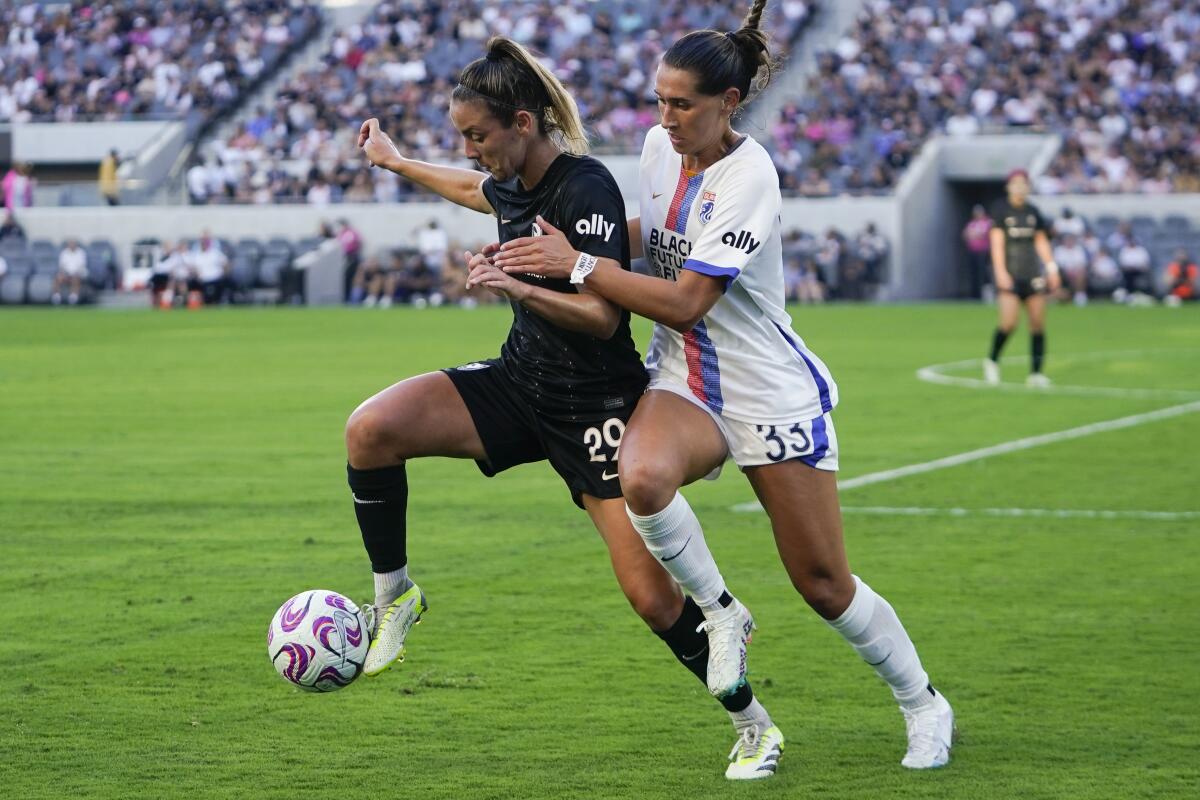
<point x="1072" y="259"/>
<point x="18" y="186"/>
<point x="374" y="284"/>
<point x="416" y="282"/>
<point x="1182" y="279"/>
<point x="171" y="275"/>
<point x="211" y="267"/>
<point x="351" y="242"/>
<point x="199" y="190"/>
<point x="72" y="269"/>
<point x="1134" y="260"/>
<point x="828" y="256"/>
<point x="433" y="243"/>
<point x="107" y="183"/>
<point x="11" y="230"/>
<point x="1105" y="273"/>
<point x="871" y="247"/>
<point x="977" y="237"/>
<point x="1069" y="224"/>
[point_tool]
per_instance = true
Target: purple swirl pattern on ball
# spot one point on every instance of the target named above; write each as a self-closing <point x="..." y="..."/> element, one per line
<point x="270" y="634"/>
<point x="323" y="628"/>
<point x="354" y="631"/>
<point x="291" y="617"/>
<point x="337" y="601"/>
<point x="333" y="676"/>
<point x="299" y="656"/>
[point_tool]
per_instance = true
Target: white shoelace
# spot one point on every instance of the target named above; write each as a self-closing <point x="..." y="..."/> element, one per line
<point x="748" y="743"/>
<point x="721" y="627"/>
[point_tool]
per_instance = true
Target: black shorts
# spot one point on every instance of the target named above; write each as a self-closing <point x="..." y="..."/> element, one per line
<point x="582" y="449"/>
<point x="1025" y="288"/>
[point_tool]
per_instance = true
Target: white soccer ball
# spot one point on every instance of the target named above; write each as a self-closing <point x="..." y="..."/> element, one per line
<point x="318" y="640"/>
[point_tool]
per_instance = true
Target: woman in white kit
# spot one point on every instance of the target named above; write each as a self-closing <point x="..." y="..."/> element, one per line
<point x="729" y="378"/>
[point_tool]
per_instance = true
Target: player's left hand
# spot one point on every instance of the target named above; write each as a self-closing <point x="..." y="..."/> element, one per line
<point x="485" y="273"/>
<point x="550" y="254"/>
<point x="1053" y="281"/>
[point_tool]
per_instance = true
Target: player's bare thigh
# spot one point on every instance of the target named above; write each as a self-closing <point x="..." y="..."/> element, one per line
<point x="806" y="518"/>
<point x="668" y="443"/>
<point x="420" y="416"/>
<point x="1010" y="310"/>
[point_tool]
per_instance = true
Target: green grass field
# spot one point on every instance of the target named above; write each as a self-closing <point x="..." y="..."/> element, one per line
<point x="168" y="479"/>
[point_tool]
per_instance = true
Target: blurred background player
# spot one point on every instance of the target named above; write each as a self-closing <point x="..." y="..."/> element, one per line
<point x="1020" y="247"/>
<point x="567" y="378"/>
<point x="976" y="236"/>
<point x="729" y="379"/>
<point x="1182" y="278"/>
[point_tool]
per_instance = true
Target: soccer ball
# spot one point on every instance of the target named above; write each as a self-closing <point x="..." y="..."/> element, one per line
<point x="318" y="640"/>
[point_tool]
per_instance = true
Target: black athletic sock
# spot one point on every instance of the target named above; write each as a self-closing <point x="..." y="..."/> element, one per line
<point x="381" y="505"/>
<point x="1037" y="349"/>
<point x="691" y="648"/>
<point x="998" y="340"/>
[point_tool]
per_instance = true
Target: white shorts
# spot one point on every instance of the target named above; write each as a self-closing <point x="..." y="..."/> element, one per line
<point x="750" y="444"/>
<point x="73" y="271"/>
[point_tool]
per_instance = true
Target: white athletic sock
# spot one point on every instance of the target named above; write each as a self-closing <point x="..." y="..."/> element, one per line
<point x="390" y="585"/>
<point x="675" y="538"/>
<point x="872" y="628"/>
<point x="753" y="714"/>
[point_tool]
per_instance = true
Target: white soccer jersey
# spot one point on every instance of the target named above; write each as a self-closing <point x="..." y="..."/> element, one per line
<point x="742" y="359"/>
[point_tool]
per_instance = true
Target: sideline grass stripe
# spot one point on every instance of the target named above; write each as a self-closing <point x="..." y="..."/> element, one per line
<point x="1051" y="513"/>
<point x="1013" y="446"/>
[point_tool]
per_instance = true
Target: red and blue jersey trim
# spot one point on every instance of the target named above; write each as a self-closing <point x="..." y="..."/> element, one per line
<point x="704" y="373"/>
<point x="681" y="204"/>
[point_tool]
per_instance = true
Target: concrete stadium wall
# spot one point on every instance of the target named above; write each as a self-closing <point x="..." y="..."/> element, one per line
<point x="82" y="142"/>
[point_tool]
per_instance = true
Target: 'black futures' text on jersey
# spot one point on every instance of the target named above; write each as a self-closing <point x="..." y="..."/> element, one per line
<point x="564" y="372"/>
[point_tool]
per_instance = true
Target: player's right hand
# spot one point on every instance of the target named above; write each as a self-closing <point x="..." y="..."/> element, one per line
<point x="376" y="145"/>
<point x="1004" y="282"/>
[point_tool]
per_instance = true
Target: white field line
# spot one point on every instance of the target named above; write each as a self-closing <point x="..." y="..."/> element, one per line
<point x="936" y="373"/>
<point x="1005" y="447"/>
<point x="1053" y="513"/>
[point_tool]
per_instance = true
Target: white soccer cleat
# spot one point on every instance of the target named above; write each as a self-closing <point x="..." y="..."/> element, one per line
<point x="755" y="755"/>
<point x="1037" y="380"/>
<point x="930" y="734"/>
<point x="991" y="372"/>
<point x="729" y="631"/>
<point x="392" y="625"/>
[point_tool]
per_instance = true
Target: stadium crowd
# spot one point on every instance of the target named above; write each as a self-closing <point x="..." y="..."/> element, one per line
<point x="1119" y="80"/>
<point x="80" y="60"/>
<point x="401" y="65"/>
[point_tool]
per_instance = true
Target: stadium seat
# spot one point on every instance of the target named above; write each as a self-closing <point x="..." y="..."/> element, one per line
<point x="279" y="247"/>
<point x="244" y="272"/>
<point x="19" y="265"/>
<point x="43" y="247"/>
<point x="1144" y="227"/>
<point x="99" y="274"/>
<point x="12" y="288"/>
<point x="45" y="265"/>
<point x="106" y="250"/>
<point x="271" y="270"/>
<point x="1176" y="224"/>
<point x="39" y="288"/>
<point x="250" y="248"/>
<point x="13" y="247"/>
<point x="308" y="244"/>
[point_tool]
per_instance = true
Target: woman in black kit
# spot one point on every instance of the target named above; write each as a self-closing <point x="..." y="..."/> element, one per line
<point x="567" y="378"/>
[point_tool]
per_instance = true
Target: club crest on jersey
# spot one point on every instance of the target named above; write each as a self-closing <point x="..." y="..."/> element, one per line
<point x="595" y="226"/>
<point x="537" y="230"/>
<point x="742" y="240"/>
<point x="708" y="203"/>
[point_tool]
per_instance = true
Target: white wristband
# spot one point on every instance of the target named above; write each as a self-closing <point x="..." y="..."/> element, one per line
<point x="583" y="267"/>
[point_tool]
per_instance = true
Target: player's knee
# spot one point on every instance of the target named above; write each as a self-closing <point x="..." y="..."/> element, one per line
<point x="367" y="436"/>
<point x="646" y="487"/>
<point x="824" y="593"/>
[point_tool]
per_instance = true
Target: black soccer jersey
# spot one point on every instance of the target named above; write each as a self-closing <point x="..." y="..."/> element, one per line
<point x="1020" y="225"/>
<point x="562" y="372"/>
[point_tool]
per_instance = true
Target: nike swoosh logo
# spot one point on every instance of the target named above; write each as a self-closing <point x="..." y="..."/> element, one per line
<point x="504" y="221"/>
<point x="366" y="502"/>
<point x="693" y="658"/>
<point x="606" y="476"/>
<point x="685" y="544"/>
<point x="656" y="196"/>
